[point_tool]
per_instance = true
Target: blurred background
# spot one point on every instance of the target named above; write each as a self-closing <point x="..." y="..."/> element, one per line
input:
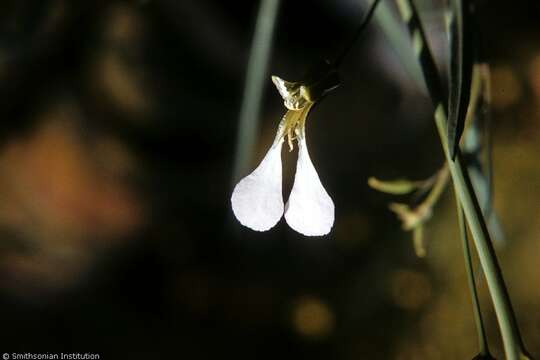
<point x="119" y="123"/>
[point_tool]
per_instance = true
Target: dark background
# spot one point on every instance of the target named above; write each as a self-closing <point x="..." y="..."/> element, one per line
<point x="118" y="132"/>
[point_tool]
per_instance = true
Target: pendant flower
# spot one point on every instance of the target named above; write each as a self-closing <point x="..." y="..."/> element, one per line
<point x="257" y="200"/>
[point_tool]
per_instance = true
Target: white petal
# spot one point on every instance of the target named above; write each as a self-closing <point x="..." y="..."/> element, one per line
<point x="257" y="200"/>
<point x="310" y="210"/>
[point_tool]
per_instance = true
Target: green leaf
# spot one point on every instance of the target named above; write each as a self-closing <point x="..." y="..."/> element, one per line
<point x="461" y="65"/>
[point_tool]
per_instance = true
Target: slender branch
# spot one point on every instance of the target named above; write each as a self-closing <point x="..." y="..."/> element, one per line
<point x="482" y="338"/>
<point x="348" y="47"/>
<point x="441" y="180"/>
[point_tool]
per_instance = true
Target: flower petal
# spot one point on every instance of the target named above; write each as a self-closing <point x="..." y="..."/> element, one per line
<point x="310" y="210"/>
<point x="257" y="200"/>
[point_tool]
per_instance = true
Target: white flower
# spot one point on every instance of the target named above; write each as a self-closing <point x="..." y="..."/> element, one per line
<point x="257" y="200"/>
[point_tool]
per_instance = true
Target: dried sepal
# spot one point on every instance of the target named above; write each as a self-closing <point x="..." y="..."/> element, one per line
<point x="292" y="93"/>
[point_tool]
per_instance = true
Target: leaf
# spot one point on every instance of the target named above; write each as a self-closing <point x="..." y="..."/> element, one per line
<point x="477" y="149"/>
<point x="461" y="65"/>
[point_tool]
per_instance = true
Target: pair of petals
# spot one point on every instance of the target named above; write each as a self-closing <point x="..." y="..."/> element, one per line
<point x="257" y="200"/>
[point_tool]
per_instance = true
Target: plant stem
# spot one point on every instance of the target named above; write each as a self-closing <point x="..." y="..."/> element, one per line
<point x="441" y="180"/>
<point x="513" y="344"/>
<point x="499" y="294"/>
<point x="348" y="47"/>
<point x="248" y="123"/>
<point x="482" y="339"/>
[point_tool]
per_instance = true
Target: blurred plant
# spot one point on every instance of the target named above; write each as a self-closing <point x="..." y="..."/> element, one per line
<point x="254" y="85"/>
<point x="414" y="218"/>
<point x="450" y="117"/>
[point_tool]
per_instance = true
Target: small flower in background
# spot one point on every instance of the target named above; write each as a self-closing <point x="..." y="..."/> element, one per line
<point x="257" y="200"/>
<point x="413" y="218"/>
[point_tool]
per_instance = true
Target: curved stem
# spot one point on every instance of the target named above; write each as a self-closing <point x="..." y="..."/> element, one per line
<point x="348" y="47"/>
<point x="441" y="180"/>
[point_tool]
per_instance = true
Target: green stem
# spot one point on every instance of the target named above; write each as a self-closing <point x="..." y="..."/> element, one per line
<point x="441" y="180"/>
<point x="248" y="123"/>
<point x="482" y="339"/>
<point x="513" y="344"/>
